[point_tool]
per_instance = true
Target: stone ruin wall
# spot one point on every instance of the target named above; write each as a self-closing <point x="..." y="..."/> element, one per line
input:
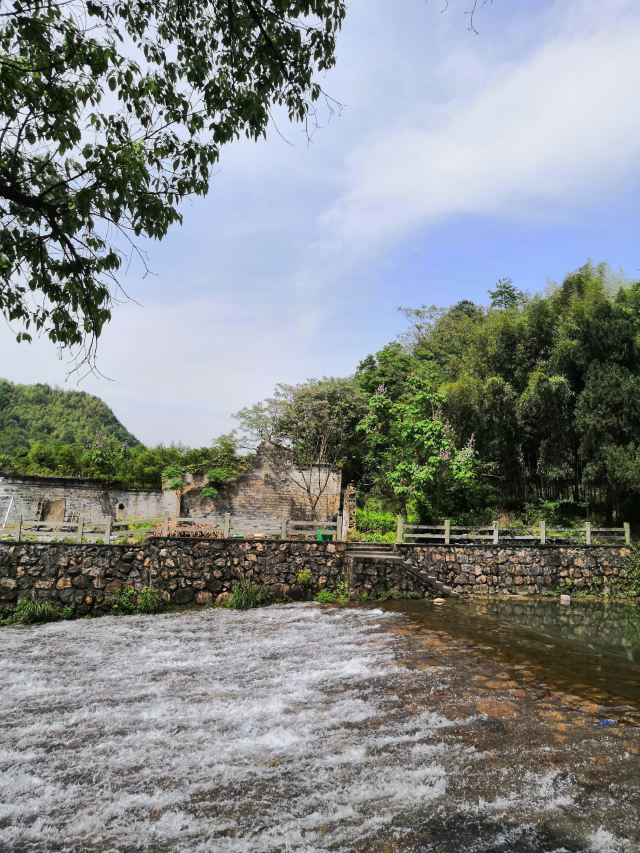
<point x="264" y="492"/>
<point x="61" y="499"/>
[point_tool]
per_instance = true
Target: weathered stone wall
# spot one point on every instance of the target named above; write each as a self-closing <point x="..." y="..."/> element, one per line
<point x="190" y="571"/>
<point x="265" y="491"/>
<point x="73" y="499"/>
<point x="485" y="569"/>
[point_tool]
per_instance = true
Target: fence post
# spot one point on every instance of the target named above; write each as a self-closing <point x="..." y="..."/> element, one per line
<point x="495" y="532"/>
<point x="400" y="530"/>
<point x="447" y="531"/>
<point x="80" y="529"/>
<point x="107" y="532"/>
<point x="587" y="533"/>
<point x="226" y="527"/>
<point x="339" y="528"/>
<point x="543" y="532"/>
<point x="627" y="533"/>
<point x="17" y="533"/>
<point x="165" y="526"/>
<point x="283" y="527"/>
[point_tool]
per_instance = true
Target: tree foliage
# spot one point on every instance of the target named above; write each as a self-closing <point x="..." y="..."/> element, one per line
<point x="530" y="406"/>
<point x="547" y="388"/>
<point x="49" y="432"/>
<point x="112" y="112"/>
<point x="312" y="425"/>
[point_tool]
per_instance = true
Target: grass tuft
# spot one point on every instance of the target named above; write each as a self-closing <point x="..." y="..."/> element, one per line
<point x="129" y="600"/>
<point x="28" y="612"/>
<point x="246" y="594"/>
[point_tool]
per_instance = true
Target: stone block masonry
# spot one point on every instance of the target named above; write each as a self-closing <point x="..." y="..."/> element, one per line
<point x="196" y="571"/>
<point x="189" y="571"/>
<point x="530" y="570"/>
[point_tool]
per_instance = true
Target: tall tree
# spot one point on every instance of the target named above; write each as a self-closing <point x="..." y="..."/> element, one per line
<point x="111" y="112"/>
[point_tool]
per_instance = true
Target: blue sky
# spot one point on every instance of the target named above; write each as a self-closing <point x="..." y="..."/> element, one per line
<point x="457" y="159"/>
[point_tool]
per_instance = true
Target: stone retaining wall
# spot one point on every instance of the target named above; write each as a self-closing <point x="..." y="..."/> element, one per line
<point x="486" y="569"/>
<point x="197" y="571"/>
<point x="189" y="571"/>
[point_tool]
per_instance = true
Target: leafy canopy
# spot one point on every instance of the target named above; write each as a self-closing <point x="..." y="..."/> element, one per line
<point x="112" y="111"/>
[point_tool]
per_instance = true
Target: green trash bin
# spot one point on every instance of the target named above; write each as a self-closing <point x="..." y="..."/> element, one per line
<point x="324" y="535"/>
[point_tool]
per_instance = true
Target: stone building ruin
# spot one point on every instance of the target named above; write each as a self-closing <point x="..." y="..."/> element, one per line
<point x="271" y="488"/>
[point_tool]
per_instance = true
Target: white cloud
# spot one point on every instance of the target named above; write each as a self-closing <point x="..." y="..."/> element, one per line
<point x="554" y="128"/>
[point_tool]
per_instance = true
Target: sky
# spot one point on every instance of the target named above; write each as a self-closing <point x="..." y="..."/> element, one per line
<point x="457" y="158"/>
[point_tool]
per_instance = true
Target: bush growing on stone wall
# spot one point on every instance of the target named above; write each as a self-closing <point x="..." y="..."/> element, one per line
<point x="129" y="600"/>
<point x="338" y="596"/>
<point x="304" y="578"/>
<point x="246" y="594"/>
<point x="27" y="611"/>
<point x="630" y="586"/>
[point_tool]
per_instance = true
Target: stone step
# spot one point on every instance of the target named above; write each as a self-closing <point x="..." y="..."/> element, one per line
<point x="381" y="557"/>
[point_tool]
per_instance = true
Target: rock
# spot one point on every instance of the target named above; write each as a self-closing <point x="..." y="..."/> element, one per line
<point x="439" y="601"/>
<point x="565" y="599"/>
<point x="113" y="587"/>
<point x="63" y="583"/>
<point x="224" y="596"/>
<point x="204" y="597"/>
<point x="183" y="596"/>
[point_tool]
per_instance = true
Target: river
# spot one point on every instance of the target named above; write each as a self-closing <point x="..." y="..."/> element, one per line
<point x="476" y="726"/>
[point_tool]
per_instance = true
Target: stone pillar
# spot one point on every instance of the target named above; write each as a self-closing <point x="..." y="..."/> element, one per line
<point x="349" y="505"/>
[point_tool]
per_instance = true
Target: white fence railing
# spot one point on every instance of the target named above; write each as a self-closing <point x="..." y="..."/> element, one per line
<point x="109" y="531"/>
<point x="543" y="534"/>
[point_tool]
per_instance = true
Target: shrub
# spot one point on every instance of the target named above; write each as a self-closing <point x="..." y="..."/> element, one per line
<point x="150" y="600"/>
<point x="338" y="596"/>
<point x="129" y="600"/>
<point x="375" y="523"/>
<point x="246" y="595"/>
<point x="124" y="600"/>
<point x="304" y="577"/>
<point x="27" y="611"/>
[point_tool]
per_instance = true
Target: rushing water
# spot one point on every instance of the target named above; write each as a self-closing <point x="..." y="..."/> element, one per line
<point x="310" y="728"/>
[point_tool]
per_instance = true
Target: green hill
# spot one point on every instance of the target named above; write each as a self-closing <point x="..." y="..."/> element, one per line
<point x="39" y="413"/>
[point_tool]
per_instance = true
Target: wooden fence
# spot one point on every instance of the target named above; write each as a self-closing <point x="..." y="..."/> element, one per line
<point x="542" y="534"/>
<point x="110" y="531"/>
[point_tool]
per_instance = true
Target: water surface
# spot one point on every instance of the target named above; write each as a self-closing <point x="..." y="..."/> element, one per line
<point x="591" y="648"/>
<point x="301" y="728"/>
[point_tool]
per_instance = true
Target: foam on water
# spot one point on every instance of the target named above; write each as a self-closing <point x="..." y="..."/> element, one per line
<point x="288" y="728"/>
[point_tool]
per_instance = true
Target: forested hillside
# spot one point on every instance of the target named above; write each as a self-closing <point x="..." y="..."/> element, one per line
<point x="38" y="413"/>
<point x="528" y="406"/>
<point x="50" y="432"/>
